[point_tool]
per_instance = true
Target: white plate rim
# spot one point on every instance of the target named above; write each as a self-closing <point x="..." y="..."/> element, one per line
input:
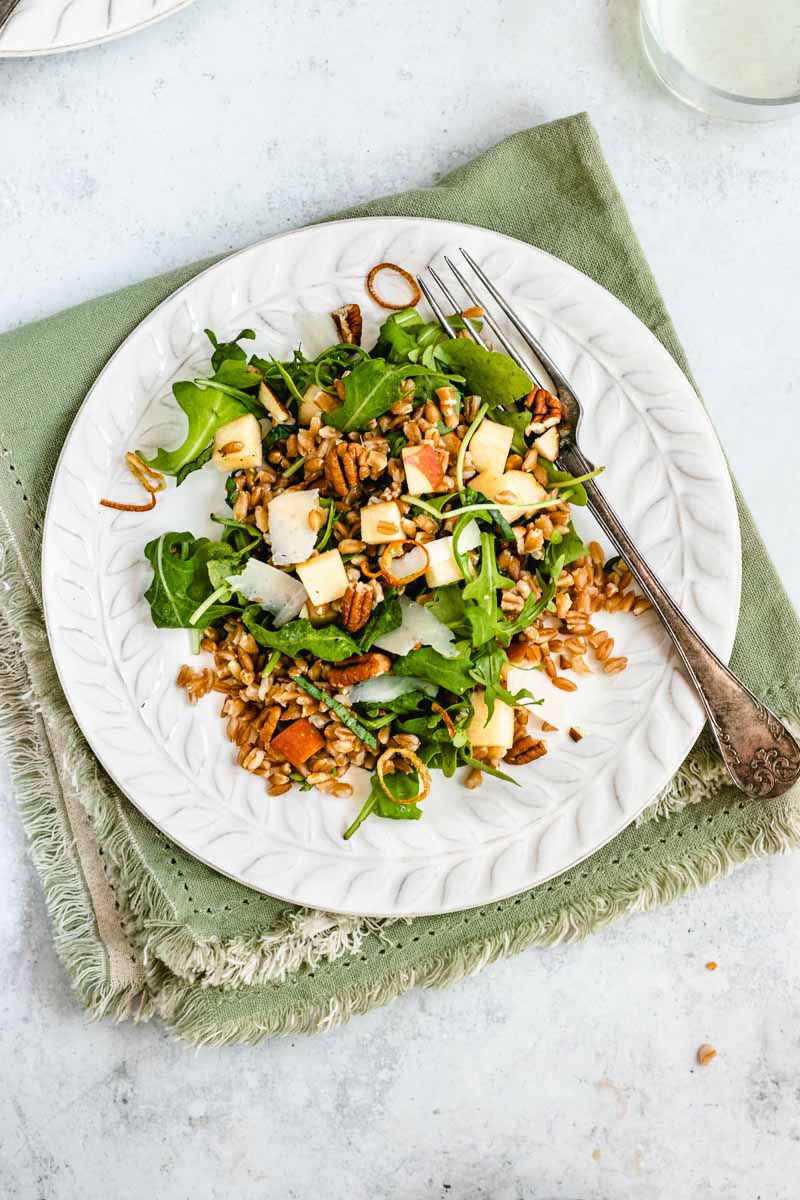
<point x="100" y="39"/>
<point x="398" y="221"/>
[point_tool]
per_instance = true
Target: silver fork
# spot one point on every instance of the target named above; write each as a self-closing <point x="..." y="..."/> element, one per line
<point x="6" y="9"/>
<point x="761" y="755"/>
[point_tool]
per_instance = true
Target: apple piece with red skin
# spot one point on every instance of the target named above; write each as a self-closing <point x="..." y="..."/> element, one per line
<point x="425" y="468"/>
<point x="298" y="741"/>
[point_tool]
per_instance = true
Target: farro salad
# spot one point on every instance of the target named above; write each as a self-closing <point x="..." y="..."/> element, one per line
<point x="397" y="536"/>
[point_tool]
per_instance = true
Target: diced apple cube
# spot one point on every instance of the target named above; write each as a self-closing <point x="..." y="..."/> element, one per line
<point x="323" y="577"/>
<point x="237" y="444"/>
<point x="276" y="409"/>
<point x="424" y="466"/>
<point x="490" y="445"/>
<point x="516" y="488"/>
<point x="442" y="565"/>
<point x="497" y="730"/>
<point x="381" y="523"/>
<point x="548" y="444"/>
<point x="315" y="402"/>
<point x="298" y="741"/>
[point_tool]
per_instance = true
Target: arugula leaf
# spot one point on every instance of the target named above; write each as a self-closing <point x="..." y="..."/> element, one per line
<point x="483" y="614"/>
<point x="432" y="725"/>
<point x="327" y="529"/>
<point x="518" y="421"/>
<point x="468" y="761"/>
<point x="396" y="439"/>
<point x="448" y="606"/>
<point x="225" y="350"/>
<point x="287" y="379"/>
<point x="277" y="433"/>
<point x="494" y="515"/>
<point x="531" y="609"/>
<point x="438" y="748"/>
<point x="286" y="376"/>
<point x="370" y="390"/>
<point x="249" y="402"/>
<point x="425" y="385"/>
<point x="570" y="495"/>
<point x="404" y="334"/>
<point x="385" y="618"/>
<point x="486" y="671"/>
<point x="237" y="373"/>
<point x="241" y="538"/>
<point x="378" y="804"/>
<point x="206" y="410"/>
<point x="328" y="642"/>
<point x="562" y="549"/>
<point x="333" y="362"/>
<point x="203" y="457"/>
<point x="405" y="703"/>
<point x="345" y="715"/>
<point x="181" y="578"/>
<point x="494" y="377"/>
<point x="449" y="673"/>
<point x="231" y="490"/>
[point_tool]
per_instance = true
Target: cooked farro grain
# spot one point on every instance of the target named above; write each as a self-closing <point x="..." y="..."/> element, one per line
<point x="615" y="665"/>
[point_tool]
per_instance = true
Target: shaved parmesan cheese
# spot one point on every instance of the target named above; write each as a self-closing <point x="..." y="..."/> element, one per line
<point x="291" y="535"/>
<point x="384" y="688"/>
<point x="419" y="627"/>
<point x="280" y="594"/>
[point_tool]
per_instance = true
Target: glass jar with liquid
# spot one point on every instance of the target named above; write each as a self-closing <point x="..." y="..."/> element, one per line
<point x="731" y="58"/>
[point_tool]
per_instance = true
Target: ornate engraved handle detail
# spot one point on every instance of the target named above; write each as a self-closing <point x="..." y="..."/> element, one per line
<point x="761" y="755"/>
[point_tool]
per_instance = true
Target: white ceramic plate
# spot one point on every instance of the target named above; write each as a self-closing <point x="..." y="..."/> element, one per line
<point x="52" y="26"/>
<point x="665" y="474"/>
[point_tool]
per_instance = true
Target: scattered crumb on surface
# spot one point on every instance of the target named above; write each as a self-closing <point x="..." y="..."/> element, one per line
<point x="706" y="1054"/>
<point x="548" y="728"/>
<point x="575" y="733"/>
<point x="711" y="966"/>
<point x="596" y="1155"/>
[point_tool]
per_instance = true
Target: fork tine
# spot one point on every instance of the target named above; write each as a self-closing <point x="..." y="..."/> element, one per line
<point x="510" y="350"/>
<point x="474" y="333"/>
<point x="437" y="310"/>
<point x="522" y="329"/>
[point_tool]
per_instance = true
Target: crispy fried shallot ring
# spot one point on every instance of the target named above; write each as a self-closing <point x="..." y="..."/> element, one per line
<point x="152" y="482"/>
<point x="446" y="719"/>
<point x="410" y="280"/>
<point x="417" y="764"/>
<point x="395" y="550"/>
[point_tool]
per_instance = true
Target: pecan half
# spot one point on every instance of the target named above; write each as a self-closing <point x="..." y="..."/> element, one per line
<point x="545" y="409"/>
<point x="356" y="606"/>
<point x="525" y="750"/>
<point x="353" y="670"/>
<point x="342" y="464"/>
<point x="347" y="320"/>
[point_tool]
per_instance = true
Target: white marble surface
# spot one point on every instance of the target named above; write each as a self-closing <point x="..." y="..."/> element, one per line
<point x="567" y="1074"/>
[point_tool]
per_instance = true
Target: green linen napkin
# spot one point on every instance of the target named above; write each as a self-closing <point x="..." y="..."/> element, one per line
<point x="142" y="928"/>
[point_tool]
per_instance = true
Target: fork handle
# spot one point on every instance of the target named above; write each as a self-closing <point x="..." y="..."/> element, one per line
<point x="761" y="755"/>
